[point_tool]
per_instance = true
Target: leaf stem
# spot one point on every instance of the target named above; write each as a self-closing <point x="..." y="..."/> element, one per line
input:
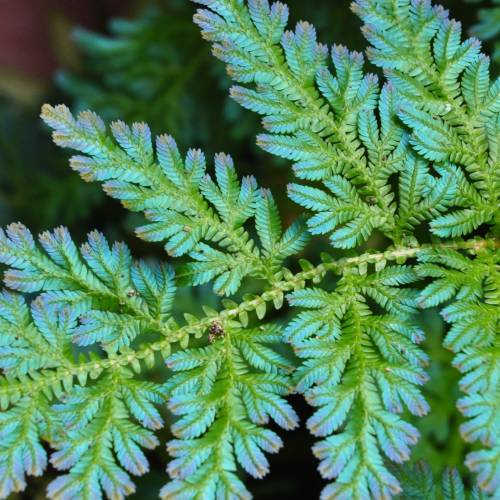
<point x="51" y="380"/>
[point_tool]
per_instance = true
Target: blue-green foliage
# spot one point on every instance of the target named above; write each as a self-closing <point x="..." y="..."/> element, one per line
<point x="361" y="370"/>
<point x="422" y="148"/>
<point x="97" y="295"/>
<point x="434" y="124"/>
<point x="21" y="453"/>
<point x="474" y="316"/>
<point x="225" y="393"/>
<point x="341" y="130"/>
<point x="116" y="299"/>
<point x="28" y="343"/>
<point x="88" y="429"/>
<point x="103" y="429"/>
<point x="185" y="207"/>
<point x="446" y="100"/>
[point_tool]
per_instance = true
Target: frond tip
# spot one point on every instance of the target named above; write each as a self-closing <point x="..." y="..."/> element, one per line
<point x="187" y="209"/>
<point x="99" y="442"/>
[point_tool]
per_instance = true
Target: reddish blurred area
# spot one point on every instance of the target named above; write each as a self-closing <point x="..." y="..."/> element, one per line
<point x="27" y="30"/>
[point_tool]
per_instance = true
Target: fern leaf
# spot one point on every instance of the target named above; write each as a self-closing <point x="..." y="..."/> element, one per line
<point x="21" y="452"/>
<point x="99" y="442"/>
<point x="188" y="210"/>
<point x="333" y="126"/>
<point x="117" y="299"/>
<point x="358" y="370"/>
<point x="474" y="317"/>
<point x="224" y="395"/>
<point x="442" y="73"/>
<point x="419" y="482"/>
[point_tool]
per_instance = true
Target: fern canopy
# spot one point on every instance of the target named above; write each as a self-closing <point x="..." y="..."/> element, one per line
<point x="402" y="177"/>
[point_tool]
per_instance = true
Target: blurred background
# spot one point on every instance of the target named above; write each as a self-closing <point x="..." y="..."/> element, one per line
<point x="144" y="60"/>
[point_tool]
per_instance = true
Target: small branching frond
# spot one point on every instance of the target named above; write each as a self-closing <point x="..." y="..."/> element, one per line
<point x="186" y="208"/>
<point x="339" y="128"/>
<point x="225" y="394"/>
<point x="474" y="315"/>
<point x="360" y="369"/>
<point x="94" y="430"/>
<point x="95" y="295"/>
<point x="103" y="429"/>
<point x="21" y="429"/>
<point x="67" y="358"/>
<point x="116" y="299"/>
<point x="446" y="99"/>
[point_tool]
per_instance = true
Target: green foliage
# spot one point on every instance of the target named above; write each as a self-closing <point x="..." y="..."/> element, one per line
<point x="414" y="160"/>
<point x="360" y="368"/>
<point x="474" y="316"/>
<point x="185" y="207"/>
<point x="447" y="102"/>
<point x="116" y="299"/>
<point x="100" y="288"/>
<point x="98" y="441"/>
<point x="225" y="393"/>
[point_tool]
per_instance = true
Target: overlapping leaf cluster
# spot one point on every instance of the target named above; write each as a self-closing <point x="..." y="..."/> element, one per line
<point x="433" y="126"/>
<point x="420" y="151"/>
<point x="474" y="316"/>
<point x="96" y="308"/>
<point x="95" y="295"/>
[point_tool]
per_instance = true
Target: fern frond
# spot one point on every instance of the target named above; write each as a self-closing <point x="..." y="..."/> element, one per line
<point x="446" y="99"/>
<point x="302" y="119"/>
<point x="360" y="369"/>
<point x="98" y="295"/>
<point x="88" y="428"/>
<point x="95" y="295"/>
<point x="46" y="369"/>
<point x="474" y="315"/>
<point x="21" y="429"/>
<point x="100" y="441"/>
<point x="116" y="299"/>
<point x="422" y="148"/>
<point x="188" y="210"/>
<point x="225" y="393"/>
<point x="339" y="129"/>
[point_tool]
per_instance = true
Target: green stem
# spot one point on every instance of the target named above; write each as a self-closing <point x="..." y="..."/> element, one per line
<point x="12" y="388"/>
